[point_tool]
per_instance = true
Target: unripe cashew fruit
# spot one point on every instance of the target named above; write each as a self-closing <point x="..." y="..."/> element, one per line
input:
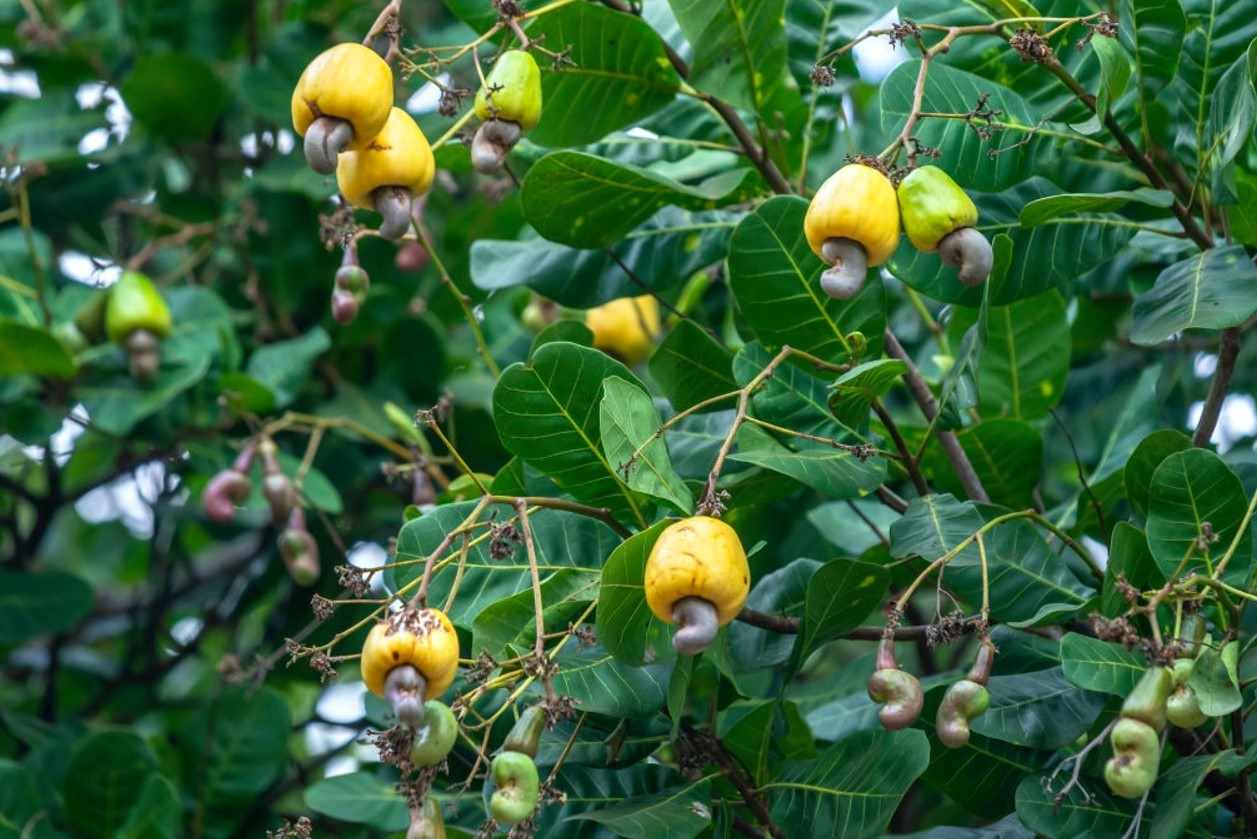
<point x="408" y="657"/>
<point x="853" y="225"/>
<point x="1136" y="758"/>
<point x="136" y="319"/>
<point x="965" y="700"/>
<point x="525" y="735"/>
<point x="697" y="577"/>
<point x="229" y="488"/>
<point x="938" y="215"/>
<point x="508" y="104"/>
<point x="437" y="735"/>
<point x="386" y="173"/>
<point x="1182" y="708"/>
<point x="279" y="492"/>
<point x="342" y="100"/>
<point x="350" y="288"/>
<point x="626" y="327"/>
<point x="299" y="550"/>
<point x="426" y="821"/>
<point x="898" y="692"/>
<point x="518" y="787"/>
<point x="1147" y="701"/>
<point x="1191" y="634"/>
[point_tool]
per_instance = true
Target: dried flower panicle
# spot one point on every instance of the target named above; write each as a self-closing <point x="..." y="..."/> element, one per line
<point x="558" y="708"/>
<point x="1031" y="46"/>
<point x="903" y="32"/>
<point x="322" y="607"/>
<point x="822" y="75"/>
<point x="301" y="829"/>
<point x="505" y="539"/>
<point x="482" y="669"/>
<point x="355" y="580"/>
<point x="523" y="830"/>
<point x="393" y="745"/>
<point x="321" y="663"/>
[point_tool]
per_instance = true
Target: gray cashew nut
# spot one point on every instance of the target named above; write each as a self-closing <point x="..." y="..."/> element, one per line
<point x="491" y="144"/>
<point x="326" y="138"/>
<point x="849" y="264"/>
<point x="697" y="625"/>
<point x="404" y="688"/>
<point x="969" y="252"/>
<point x="393" y="203"/>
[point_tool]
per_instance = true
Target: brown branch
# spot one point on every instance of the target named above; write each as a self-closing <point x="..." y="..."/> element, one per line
<point x="925" y="400"/>
<point x="909" y="462"/>
<point x="710" y="746"/>
<point x="788" y="625"/>
<point x="1218" y="387"/>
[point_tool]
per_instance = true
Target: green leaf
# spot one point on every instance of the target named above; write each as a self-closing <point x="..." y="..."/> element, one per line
<point x="837" y="473"/>
<point x="44" y="603"/>
<point x="1006" y="454"/>
<point x="621" y="74"/>
<point x="362" y="798"/>
<point x="1215" y="680"/>
<point x="1024" y="358"/>
<point x="117" y="404"/>
<point x="1197" y="503"/>
<point x="761" y="734"/>
<point x="103" y="781"/>
<point x="781" y="591"/>
<point x="1083" y="812"/>
<point x="690" y="366"/>
<point x="513" y="619"/>
<point x="33" y="350"/>
<point x="990" y="790"/>
<point x="1215" y="289"/>
<point x="585" y="201"/>
<point x="48" y="128"/>
<point x="547" y="413"/>
<point x="855" y="390"/>
<point x="629" y="422"/>
<point x="853" y="788"/>
<point x="776" y="279"/>
<point x="671" y="814"/>
<point x="1178" y="787"/>
<point x="22" y="810"/>
<point x="566" y="542"/>
<point x="158" y="814"/>
<point x="661" y="252"/>
<point x="952" y="91"/>
<point x="1129" y="557"/>
<point x="1116" y="68"/>
<point x="602" y="685"/>
<point x="840" y="595"/>
<point x="241" y="741"/>
<point x="1144" y="460"/>
<point x="284" y="365"/>
<point x="1042" y="210"/>
<point x="1050" y="255"/>
<point x="1040" y="710"/>
<point x="175" y="96"/>
<point x="739" y="48"/>
<point x="626" y="627"/>
<point x="933" y="525"/>
<point x="790" y="397"/>
<point x="572" y="331"/>
<point x="1153" y="34"/>
<point x="1231" y="115"/>
<point x="1098" y="665"/>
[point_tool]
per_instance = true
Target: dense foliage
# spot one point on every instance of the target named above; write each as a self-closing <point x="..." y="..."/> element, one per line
<point x="616" y="478"/>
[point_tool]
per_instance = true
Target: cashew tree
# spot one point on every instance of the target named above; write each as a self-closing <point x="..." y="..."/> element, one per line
<point x="643" y="418"/>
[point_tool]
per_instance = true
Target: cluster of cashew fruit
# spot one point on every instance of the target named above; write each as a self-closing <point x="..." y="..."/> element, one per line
<point x="697" y="578"/>
<point x="231" y="488"/>
<point x="132" y="314"/>
<point x="854" y="219"/>
<point x="508" y="105"/>
<point x="901" y="697"/>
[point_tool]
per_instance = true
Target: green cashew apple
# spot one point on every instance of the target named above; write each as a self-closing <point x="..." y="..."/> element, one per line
<point x="136" y="319"/>
<point x="1136" y="738"/>
<point x="525" y="735"/>
<point x="939" y="216"/>
<point x="1182" y="708"/>
<point x="509" y="105"/>
<point x="899" y="693"/>
<point x="437" y="735"/>
<point x="965" y="700"/>
<point x="518" y="788"/>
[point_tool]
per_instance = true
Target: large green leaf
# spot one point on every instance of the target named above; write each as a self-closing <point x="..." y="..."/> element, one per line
<point x="835" y="472"/>
<point x="585" y="201"/>
<point x="1129" y="558"/>
<point x="1144" y="460"/>
<point x="565" y="542"/>
<point x="775" y="278"/>
<point x="47" y="128"/>
<point x="855" y="390"/>
<point x="629" y="422"/>
<point x="739" y="48"/>
<point x="602" y="685"/>
<point x="672" y="814"/>
<point x="983" y="774"/>
<point x="761" y="734"/>
<point x="1051" y="254"/>
<point x="1043" y="210"/>
<point x="840" y="595"/>
<point x="1083" y="812"/>
<point x="1215" y="289"/>
<point x="33" y="350"/>
<point x="661" y="252"/>
<point x="284" y="365"/>
<point x="513" y="620"/>
<point x="174" y="95"/>
<point x="1040" y="710"/>
<point x="691" y="366"/>
<point x="1098" y="665"/>
<point x="1197" y="503"/>
<point x="547" y="413"/>
<point x="104" y="779"/>
<point x="1006" y="454"/>
<point x="360" y="797"/>
<point x="116" y="403"/>
<point x="952" y="91"/>
<point x="1178" y="787"/>
<point x="626" y="627"/>
<point x="35" y="604"/>
<point x="1231" y="115"/>
<point x="1024" y="358"/>
<point x="158" y="814"/>
<point x="783" y="591"/>
<point x="1215" y="680"/>
<point x="853" y="788"/>
<point x="241" y="742"/>
<point x="790" y="397"/>
<point x="1153" y="33"/>
<point x="621" y="74"/>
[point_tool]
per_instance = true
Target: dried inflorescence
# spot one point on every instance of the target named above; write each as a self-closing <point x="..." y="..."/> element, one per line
<point x="393" y="745"/>
<point x="947" y="629"/>
<point x="301" y="829"/>
<point x="1031" y="46"/>
<point x="904" y="31"/>
<point x="1119" y="630"/>
<point x="321" y="663"/>
<point x="357" y="581"/>
<point x="482" y="669"/>
<point x="523" y="830"/>
<point x="506" y="537"/>
<point x="558" y="708"/>
<point x="322" y="607"/>
<point x="822" y="75"/>
<point x="981" y="117"/>
<point x="1105" y="25"/>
